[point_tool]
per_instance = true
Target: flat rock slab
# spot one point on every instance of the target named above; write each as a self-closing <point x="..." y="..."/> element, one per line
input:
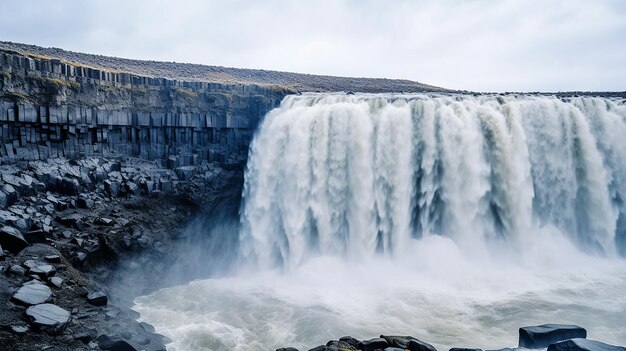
<point x="48" y="317"/>
<point x="408" y="343"/>
<point x="44" y="270"/>
<point x="580" y="344"/>
<point x="33" y="294"/>
<point x="540" y="336"/>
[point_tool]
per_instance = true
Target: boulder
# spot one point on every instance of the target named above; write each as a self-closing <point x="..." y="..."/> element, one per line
<point x="84" y="202"/>
<point x="408" y="343"/>
<point x="540" y="336"/>
<point x="185" y="172"/>
<point x="287" y="349"/>
<point x="335" y="345"/>
<point x="68" y="186"/>
<point x="350" y="340"/>
<point x="10" y="193"/>
<point x="16" y="270"/>
<point x="464" y="349"/>
<point x="56" y="282"/>
<point x="32" y="294"/>
<point x="133" y="188"/>
<point x="97" y="298"/>
<point x="112" y="187"/>
<point x="43" y="271"/>
<point x="12" y="240"/>
<point x="372" y="344"/>
<point x="113" y="344"/>
<point x="48" y="317"/>
<point x="4" y="202"/>
<point x="580" y="344"/>
<point x="115" y="167"/>
<point x="86" y="335"/>
<point x="35" y="236"/>
<point x="70" y="220"/>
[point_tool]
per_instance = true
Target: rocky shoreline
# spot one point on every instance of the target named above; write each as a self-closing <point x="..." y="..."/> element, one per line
<point x="71" y="228"/>
<point x="554" y="337"/>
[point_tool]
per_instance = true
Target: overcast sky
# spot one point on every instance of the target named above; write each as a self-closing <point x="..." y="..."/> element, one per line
<point x="482" y="45"/>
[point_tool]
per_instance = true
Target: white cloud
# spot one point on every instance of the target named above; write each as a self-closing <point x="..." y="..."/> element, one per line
<point x="492" y="45"/>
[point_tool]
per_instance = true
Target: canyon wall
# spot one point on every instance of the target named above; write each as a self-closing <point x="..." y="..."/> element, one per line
<point x="54" y="108"/>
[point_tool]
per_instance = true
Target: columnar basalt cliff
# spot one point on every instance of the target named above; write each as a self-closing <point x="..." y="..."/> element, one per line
<point x="52" y="108"/>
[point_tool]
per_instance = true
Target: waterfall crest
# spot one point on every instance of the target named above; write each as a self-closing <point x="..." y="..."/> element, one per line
<point x="363" y="175"/>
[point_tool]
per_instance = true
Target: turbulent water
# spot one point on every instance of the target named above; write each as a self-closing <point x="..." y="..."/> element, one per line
<point x="455" y="219"/>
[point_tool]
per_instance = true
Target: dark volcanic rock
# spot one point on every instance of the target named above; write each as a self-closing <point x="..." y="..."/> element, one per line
<point x="335" y="345"/>
<point x="287" y="349"/>
<point x="43" y="270"/>
<point x="97" y="298"/>
<point x="113" y="344"/>
<point x="464" y="349"/>
<point x="86" y="336"/>
<point x="372" y="344"/>
<point x="35" y="236"/>
<point x="56" y="282"/>
<point x="48" y="317"/>
<point x="12" y="240"/>
<point x="540" y="336"/>
<point x="33" y="294"/>
<point x="408" y="342"/>
<point x="580" y="344"/>
<point x="350" y="340"/>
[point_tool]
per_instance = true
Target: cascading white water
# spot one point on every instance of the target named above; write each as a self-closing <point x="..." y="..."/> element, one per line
<point x="359" y="175"/>
<point x="456" y="219"/>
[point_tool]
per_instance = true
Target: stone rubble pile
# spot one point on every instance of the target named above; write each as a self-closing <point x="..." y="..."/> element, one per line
<point x="60" y="215"/>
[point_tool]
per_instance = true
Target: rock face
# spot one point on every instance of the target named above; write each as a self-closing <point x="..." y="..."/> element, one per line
<point x="48" y="317"/>
<point x="72" y="110"/>
<point x="540" y="336"/>
<point x="580" y="344"/>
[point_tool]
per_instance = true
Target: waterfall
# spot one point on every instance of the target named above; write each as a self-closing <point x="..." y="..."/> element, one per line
<point x="362" y="175"/>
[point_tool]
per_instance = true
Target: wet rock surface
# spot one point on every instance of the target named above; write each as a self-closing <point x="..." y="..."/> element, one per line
<point x="540" y="336"/>
<point x="558" y="332"/>
<point x="74" y="259"/>
<point x="580" y="344"/>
